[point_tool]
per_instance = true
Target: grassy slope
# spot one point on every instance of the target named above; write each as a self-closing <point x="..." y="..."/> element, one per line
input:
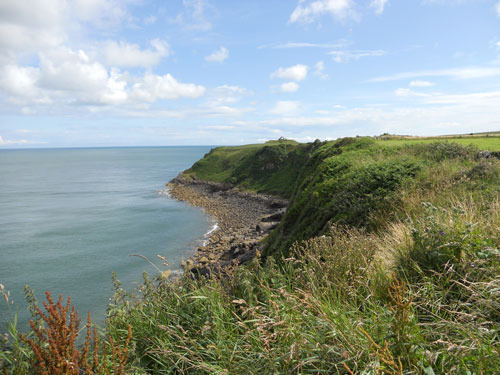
<point x="405" y="279"/>
<point x="490" y="143"/>
<point x="270" y="168"/>
<point x="346" y="181"/>
<point x="396" y="269"/>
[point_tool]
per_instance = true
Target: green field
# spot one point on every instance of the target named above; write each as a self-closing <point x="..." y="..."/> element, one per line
<point x="490" y="143"/>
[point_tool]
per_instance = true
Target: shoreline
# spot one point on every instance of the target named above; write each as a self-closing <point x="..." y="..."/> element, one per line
<point x="241" y="221"/>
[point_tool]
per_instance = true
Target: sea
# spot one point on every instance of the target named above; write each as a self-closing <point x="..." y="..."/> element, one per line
<point x="71" y="217"/>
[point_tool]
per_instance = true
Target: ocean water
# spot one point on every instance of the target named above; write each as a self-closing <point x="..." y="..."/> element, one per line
<point x="69" y="217"/>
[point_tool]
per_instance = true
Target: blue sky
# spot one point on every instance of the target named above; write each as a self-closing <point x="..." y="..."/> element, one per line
<point x="207" y="72"/>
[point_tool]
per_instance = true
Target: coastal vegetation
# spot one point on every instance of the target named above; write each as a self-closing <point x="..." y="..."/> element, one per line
<point x="386" y="261"/>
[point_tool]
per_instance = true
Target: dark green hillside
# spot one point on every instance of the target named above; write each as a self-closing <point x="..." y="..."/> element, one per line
<point x="350" y="182"/>
<point x="272" y="168"/>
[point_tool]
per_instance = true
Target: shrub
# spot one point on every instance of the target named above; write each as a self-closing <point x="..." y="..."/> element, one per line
<point x="340" y="258"/>
<point x="439" y="151"/>
<point x="55" y="350"/>
<point x="443" y="240"/>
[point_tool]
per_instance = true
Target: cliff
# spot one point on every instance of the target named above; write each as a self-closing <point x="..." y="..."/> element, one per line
<point x="353" y="181"/>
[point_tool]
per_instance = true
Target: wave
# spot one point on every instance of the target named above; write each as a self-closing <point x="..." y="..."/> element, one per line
<point x="207" y="235"/>
<point x="165" y="192"/>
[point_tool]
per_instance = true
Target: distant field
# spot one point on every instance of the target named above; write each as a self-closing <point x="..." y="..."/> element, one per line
<point x="491" y="143"/>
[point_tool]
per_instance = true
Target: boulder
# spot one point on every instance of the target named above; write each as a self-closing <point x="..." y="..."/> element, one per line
<point x="266" y="226"/>
<point x="273" y="217"/>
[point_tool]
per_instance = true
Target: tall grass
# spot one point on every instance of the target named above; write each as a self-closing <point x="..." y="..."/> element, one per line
<point x="417" y="291"/>
<point x="418" y="295"/>
<point x="332" y="307"/>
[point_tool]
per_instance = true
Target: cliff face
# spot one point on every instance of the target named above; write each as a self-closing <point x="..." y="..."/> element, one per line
<point x="353" y="182"/>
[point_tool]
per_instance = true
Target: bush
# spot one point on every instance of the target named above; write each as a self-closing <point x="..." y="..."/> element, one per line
<point x="444" y="239"/>
<point x="439" y="151"/>
<point x="342" y="193"/>
<point x="51" y="346"/>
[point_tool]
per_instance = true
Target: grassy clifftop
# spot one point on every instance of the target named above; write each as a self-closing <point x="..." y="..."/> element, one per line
<point x="352" y="181"/>
<point x="270" y="168"/>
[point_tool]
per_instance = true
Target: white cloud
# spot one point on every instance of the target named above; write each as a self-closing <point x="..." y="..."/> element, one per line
<point x="153" y="87"/>
<point x="477" y="99"/>
<point x="419" y="83"/>
<point x="150" y="20"/>
<point x="71" y="77"/>
<point x="340" y="44"/>
<point x="101" y="13"/>
<point x="130" y="55"/>
<point x="26" y="26"/>
<point x="289" y="87"/>
<point x="67" y="70"/>
<point x="34" y="26"/>
<point x="473" y="101"/>
<point x="193" y="17"/>
<point x="497" y="8"/>
<point x="456" y="73"/>
<point x="446" y="2"/>
<point x="431" y="115"/>
<point x="286" y="108"/>
<point x="346" y="56"/>
<point x="322" y="112"/>
<point x="60" y="79"/>
<point x="35" y="12"/>
<point x="309" y="11"/>
<point x="318" y="70"/>
<point x="219" y="111"/>
<point x="225" y="95"/>
<point x="19" y="81"/>
<point x="218" y="56"/>
<point x="8" y="142"/>
<point x="404" y="92"/>
<point x="296" y="73"/>
<point x="208" y="109"/>
<point x="229" y="91"/>
<point x="220" y="102"/>
<point x="24" y="131"/>
<point x="378" y="6"/>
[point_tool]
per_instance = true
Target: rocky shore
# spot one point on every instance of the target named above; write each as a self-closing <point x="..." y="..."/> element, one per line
<point x="243" y="220"/>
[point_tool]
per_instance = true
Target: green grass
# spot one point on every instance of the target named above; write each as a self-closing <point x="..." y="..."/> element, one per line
<point x="333" y="306"/>
<point x="386" y="262"/>
<point x="490" y="143"/>
<point x="344" y="181"/>
<point x="402" y="277"/>
<point x="267" y="168"/>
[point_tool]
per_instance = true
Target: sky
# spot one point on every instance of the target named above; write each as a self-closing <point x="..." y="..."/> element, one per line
<point x="83" y="73"/>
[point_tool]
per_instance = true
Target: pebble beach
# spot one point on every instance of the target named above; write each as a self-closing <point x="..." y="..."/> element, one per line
<point x="242" y="219"/>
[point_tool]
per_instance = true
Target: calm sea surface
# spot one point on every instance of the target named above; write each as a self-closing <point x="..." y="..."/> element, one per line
<point x="69" y="217"/>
